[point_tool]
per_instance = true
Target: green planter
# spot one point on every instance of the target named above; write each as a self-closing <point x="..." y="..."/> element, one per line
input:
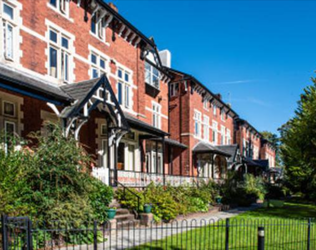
<point x="147" y="208"/>
<point x="111" y="213"/>
<point x="218" y="200"/>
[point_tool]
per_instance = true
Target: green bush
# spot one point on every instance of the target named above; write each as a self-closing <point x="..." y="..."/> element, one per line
<point x="100" y="197"/>
<point x="50" y="180"/>
<point x="242" y="191"/>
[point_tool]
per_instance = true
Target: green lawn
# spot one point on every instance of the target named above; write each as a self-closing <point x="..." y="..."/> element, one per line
<point x="285" y="228"/>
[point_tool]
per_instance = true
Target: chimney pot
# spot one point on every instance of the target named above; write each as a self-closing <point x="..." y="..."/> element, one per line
<point x="113" y="6"/>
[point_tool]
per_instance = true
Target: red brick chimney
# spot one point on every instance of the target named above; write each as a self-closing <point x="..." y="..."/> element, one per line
<point x="113" y="6"/>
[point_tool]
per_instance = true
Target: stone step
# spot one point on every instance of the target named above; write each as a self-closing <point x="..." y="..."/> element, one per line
<point x="127" y="224"/>
<point x="121" y="211"/>
<point x="125" y="217"/>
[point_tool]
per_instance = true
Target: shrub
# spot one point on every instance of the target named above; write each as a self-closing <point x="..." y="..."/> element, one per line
<point x="164" y="206"/>
<point x="100" y="197"/>
<point x="242" y="191"/>
<point x="275" y="192"/>
<point x="50" y="180"/>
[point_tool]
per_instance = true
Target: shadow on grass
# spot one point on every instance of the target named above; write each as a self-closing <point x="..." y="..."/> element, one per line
<point x="289" y="211"/>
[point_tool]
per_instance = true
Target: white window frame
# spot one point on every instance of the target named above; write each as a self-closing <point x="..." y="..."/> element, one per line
<point x="99" y="27"/>
<point x="197" y="123"/>
<point x="11" y="123"/>
<point x="228" y="136"/>
<point x="59" y="3"/>
<point x="126" y="88"/>
<point x="206" y="104"/>
<point x="223" y="135"/>
<point x="214" y="110"/>
<point x="215" y="132"/>
<point x="174" y="89"/>
<point x="97" y="66"/>
<point x="6" y="23"/>
<point x="206" y="128"/>
<point x="61" y="52"/>
<point x="150" y="74"/>
<point x="156" y="115"/>
<point x="3" y="108"/>
<point x="102" y="129"/>
<point x="223" y="115"/>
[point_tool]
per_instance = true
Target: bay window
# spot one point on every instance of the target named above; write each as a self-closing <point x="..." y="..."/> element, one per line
<point x="151" y="75"/>
<point x="157" y="115"/>
<point x="123" y="88"/>
<point x="59" y="55"/>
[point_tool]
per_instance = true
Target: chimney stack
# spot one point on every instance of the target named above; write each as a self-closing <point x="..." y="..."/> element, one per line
<point x="113" y="6"/>
<point x="219" y="96"/>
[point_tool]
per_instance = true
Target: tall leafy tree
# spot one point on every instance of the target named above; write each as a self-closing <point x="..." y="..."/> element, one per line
<point x="298" y="150"/>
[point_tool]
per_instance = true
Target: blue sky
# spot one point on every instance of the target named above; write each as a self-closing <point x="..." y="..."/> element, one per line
<point x="258" y="54"/>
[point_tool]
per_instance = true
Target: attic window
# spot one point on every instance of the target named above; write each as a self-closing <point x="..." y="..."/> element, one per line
<point x="152" y="75"/>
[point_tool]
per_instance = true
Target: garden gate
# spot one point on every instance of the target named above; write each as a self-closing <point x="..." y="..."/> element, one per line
<point x="16" y="231"/>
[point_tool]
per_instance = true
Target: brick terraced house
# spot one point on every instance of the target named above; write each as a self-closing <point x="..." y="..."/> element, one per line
<point x="80" y="64"/>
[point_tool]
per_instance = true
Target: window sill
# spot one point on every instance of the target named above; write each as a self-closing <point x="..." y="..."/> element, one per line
<point x="98" y="38"/>
<point x="60" y="13"/>
<point x="153" y="86"/>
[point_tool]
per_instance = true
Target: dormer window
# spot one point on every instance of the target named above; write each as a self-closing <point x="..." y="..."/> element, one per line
<point x="152" y="75"/>
<point x="205" y="104"/>
<point x="97" y="28"/>
<point x="61" y="5"/>
<point x="174" y="89"/>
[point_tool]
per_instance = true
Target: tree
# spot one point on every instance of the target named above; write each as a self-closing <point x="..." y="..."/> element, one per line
<point x="298" y="150"/>
<point x="275" y="141"/>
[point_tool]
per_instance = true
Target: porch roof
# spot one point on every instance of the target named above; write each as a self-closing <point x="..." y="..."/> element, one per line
<point x="143" y="126"/>
<point x="27" y="84"/>
<point x="202" y="147"/>
<point x="174" y="143"/>
<point x="89" y="95"/>
<point x="230" y="149"/>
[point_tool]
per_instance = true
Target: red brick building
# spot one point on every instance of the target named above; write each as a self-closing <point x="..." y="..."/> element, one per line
<point x="81" y="64"/>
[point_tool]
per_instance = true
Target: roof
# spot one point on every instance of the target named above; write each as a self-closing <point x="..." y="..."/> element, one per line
<point x="203" y="86"/>
<point x="141" y="125"/>
<point x="229" y="149"/>
<point x="123" y="20"/>
<point x="17" y="80"/>
<point x="173" y="143"/>
<point x="249" y="125"/>
<point x="78" y="92"/>
<point x="262" y="163"/>
<point x="203" y="147"/>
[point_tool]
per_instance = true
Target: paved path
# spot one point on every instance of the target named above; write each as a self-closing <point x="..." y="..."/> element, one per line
<point x="124" y="238"/>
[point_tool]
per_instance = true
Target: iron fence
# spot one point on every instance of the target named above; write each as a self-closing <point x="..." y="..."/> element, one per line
<point x="289" y="234"/>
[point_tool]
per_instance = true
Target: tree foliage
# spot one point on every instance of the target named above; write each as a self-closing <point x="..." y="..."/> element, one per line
<point x="50" y="180"/>
<point x="298" y="150"/>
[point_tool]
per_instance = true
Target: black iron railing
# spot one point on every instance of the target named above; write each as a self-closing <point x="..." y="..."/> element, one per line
<point x="289" y="234"/>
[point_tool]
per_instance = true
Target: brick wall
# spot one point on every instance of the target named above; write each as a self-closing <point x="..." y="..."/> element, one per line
<point x="120" y="51"/>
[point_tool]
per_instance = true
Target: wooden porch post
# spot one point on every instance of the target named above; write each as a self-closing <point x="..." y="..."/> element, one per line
<point x="163" y="160"/>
